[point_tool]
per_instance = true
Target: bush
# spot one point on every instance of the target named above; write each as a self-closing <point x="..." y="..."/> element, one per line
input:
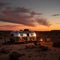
<point x="43" y="48"/>
<point x="4" y="51"/>
<point x="15" y="56"/>
<point x="59" y="57"/>
<point x="56" y="44"/>
<point x="30" y="47"/>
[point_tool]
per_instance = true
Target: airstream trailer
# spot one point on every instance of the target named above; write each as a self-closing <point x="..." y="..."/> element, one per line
<point x="23" y="36"/>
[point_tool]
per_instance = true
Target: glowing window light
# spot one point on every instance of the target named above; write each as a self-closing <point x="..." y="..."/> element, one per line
<point x="24" y="35"/>
<point x="32" y="34"/>
<point x="17" y="35"/>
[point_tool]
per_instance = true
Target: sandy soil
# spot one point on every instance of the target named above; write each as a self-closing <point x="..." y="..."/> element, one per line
<point x="30" y="52"/>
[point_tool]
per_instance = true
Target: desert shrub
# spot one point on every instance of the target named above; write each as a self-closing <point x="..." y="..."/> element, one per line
<point x="59" y="58"/>
<point x="29" y="56"/>
<point x="12" y="41"/>
<point x="4" y="51"/>
<point x="56" y="44"/>
<point x="15" y="55"/>
<point x="30" y="47"/>
<point x="43" y="48"/>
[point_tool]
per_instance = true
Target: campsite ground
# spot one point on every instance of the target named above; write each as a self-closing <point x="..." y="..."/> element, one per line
<point x="30" y="52"/>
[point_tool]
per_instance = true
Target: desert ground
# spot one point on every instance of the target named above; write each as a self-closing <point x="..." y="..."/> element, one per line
<point x="29" y="52"/>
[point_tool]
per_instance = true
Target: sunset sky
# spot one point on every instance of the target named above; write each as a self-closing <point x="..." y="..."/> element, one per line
<point x="39" y="15"/>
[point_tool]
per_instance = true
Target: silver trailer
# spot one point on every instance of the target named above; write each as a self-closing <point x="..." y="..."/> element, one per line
<point x="23" y="36"/>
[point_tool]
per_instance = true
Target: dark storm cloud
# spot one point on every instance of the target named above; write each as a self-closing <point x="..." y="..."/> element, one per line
<point x="2" y="4"/>
<point x="43" y="21"/>
<point x="18" y="15"/>
<point x="23" y="21"/>
<point x="8" y="8"/>
<point x="21" y="15"/>
<point x="15" y="16"/>
<point x="25" y="10"/>
<point x="56" y="15"/>
<point x="22" y="9"/>
<point x="35" y="13"/>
